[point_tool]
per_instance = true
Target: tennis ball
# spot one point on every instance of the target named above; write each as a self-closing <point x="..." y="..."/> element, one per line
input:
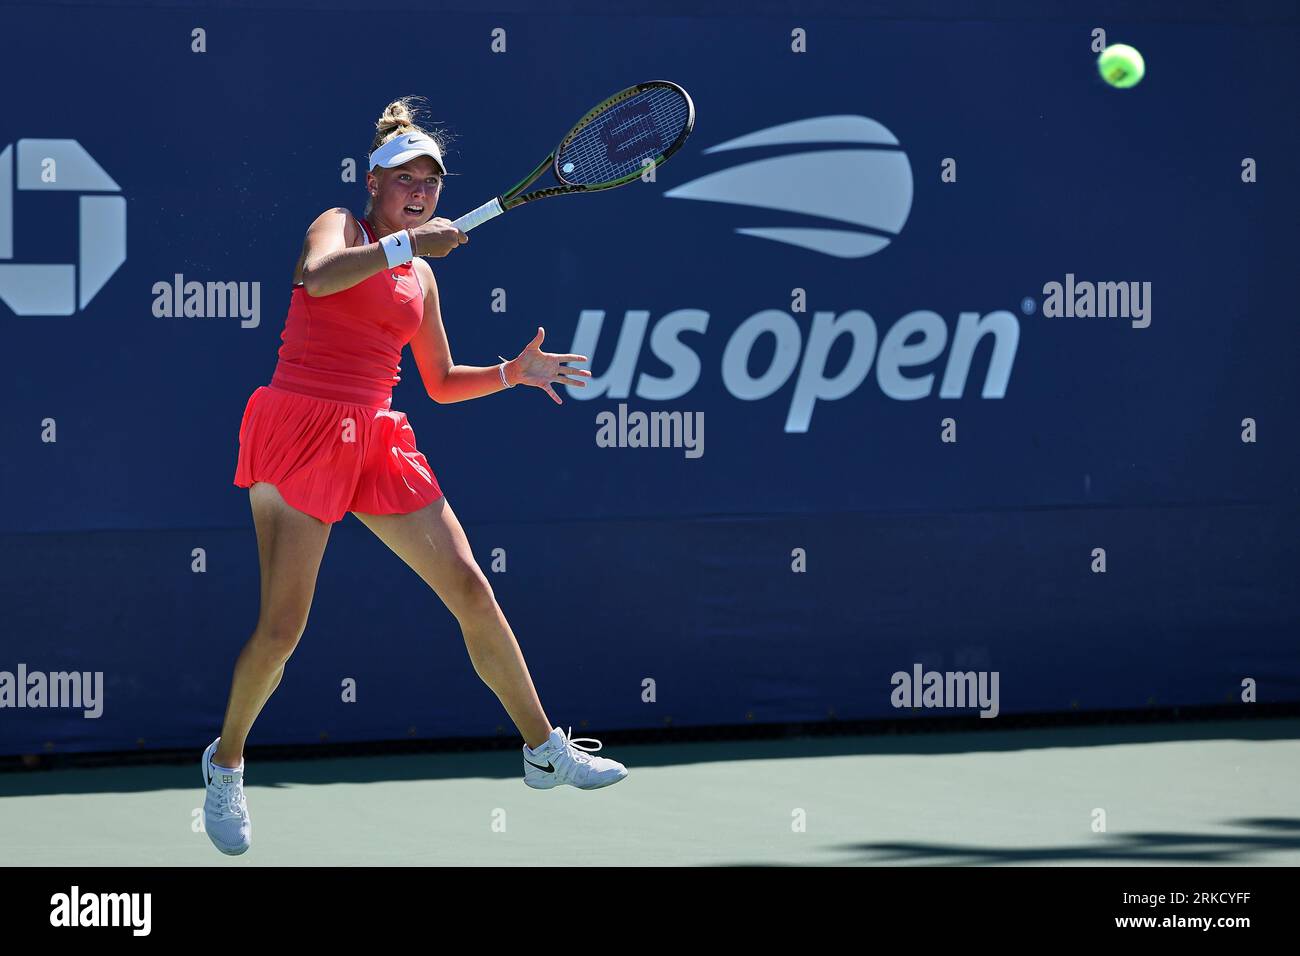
<point x="1121" y="66"/>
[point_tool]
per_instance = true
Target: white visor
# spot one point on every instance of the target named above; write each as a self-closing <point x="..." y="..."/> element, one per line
<point x="404" y="148"/>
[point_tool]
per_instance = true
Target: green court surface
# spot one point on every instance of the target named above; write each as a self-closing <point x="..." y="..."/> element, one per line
<point x="1195" y="794"/>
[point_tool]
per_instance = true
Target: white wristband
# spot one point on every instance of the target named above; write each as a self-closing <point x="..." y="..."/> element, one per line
<point x="502" y="369"/>
<point x="397" y="248"/>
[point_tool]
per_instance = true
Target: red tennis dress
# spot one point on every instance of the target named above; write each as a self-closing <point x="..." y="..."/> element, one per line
<point x="324" y="431"/>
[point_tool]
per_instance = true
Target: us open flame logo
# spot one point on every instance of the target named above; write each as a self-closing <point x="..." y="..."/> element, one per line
<point x="869" y="187"/>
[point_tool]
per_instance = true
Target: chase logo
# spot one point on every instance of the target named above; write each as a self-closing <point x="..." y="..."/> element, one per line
<point x="60" y="288"/>
<point x="868" y="188"/>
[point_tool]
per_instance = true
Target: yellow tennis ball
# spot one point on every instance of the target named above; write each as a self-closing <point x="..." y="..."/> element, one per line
<point x="1121" y="66"/>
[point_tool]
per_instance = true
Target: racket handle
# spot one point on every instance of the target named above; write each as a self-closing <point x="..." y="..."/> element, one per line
<point x="489" y="210"/>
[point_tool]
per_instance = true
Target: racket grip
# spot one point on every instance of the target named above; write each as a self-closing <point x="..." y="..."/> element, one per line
<point x="489" y="210"/>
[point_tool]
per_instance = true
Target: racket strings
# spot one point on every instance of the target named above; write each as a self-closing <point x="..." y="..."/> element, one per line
<point x="614" y="144"/>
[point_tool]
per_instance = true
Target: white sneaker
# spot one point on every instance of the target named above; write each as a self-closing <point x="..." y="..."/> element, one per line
<point x="563" y="759"/>
<point x="225" y="810"/>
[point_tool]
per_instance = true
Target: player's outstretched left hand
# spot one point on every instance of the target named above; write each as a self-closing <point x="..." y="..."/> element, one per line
<point x="544" y="369"/>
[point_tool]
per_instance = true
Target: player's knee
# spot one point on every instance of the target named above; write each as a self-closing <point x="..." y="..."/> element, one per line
<point x="470" y="594"/>
<point x="278" y="636"/>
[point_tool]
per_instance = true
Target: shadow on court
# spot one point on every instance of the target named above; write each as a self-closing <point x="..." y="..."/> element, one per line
<point x="1187" y="794"/>
<point x="1265" y="835"/>
<point x="504" y="764"/>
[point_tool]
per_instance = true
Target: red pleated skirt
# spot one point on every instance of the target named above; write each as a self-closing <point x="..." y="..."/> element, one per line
<point x="328" y="458"/>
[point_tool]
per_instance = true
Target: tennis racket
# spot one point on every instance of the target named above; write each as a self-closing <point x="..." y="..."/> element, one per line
<point x="606" y="148"/>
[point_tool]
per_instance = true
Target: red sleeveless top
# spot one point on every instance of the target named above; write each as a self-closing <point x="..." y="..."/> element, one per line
<point x="345" y="347"/>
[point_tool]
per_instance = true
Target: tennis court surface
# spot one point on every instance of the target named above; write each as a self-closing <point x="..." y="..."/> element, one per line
<point x="1194" y="794"/>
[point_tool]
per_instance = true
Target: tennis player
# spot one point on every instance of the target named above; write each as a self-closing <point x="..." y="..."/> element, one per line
<point x="322" y="440"/>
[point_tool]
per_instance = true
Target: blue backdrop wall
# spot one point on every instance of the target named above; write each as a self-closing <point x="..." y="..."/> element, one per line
<point x="822" y="171"/>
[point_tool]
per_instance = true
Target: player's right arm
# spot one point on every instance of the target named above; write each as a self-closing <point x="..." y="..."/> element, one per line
<point x="330" y="265"/>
